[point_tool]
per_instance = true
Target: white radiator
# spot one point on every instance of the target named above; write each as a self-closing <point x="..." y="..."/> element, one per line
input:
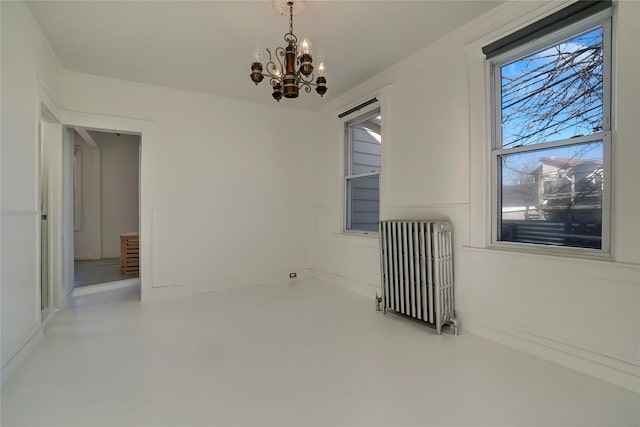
<point x="417" y="271"/>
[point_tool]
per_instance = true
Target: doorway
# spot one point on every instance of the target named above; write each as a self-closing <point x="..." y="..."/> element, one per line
<point x="106" y="207"/>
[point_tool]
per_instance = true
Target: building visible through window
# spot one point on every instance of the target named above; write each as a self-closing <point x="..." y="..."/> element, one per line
<point x="362" y="174"/>
<point x="551" y="140"/>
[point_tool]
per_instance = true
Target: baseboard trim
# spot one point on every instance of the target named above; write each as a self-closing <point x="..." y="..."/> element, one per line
<point x="619" y="372"/>
<point x="178" y="290"/>
<point x="103" y="287"/>
<point x="16" y="360"/>
<point x="362" y="288"/>
<point x="616" y="370"/>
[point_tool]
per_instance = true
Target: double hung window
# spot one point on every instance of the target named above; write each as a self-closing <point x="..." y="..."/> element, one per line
<point x="363" y="138"/>
<point x="551" y="139"/>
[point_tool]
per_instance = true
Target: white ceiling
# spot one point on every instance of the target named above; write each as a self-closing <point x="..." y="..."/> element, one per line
<point x="207" y="46"/>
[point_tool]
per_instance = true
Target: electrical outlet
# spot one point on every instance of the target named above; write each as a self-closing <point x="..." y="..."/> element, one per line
<point x="293" y="275"/>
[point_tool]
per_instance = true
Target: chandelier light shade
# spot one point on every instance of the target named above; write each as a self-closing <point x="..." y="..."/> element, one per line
<point x="291" y="68"/>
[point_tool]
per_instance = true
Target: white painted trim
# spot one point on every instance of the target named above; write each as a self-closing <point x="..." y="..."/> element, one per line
<point x="102" y="122"/>
<point x="25" y="347"/>
<point x="613" y="271"/>
<point x="622" y="373"/>
<point x="435" y="205"/>
<point x="88" y="139"/>
<point x="131" y="126"/>
<point x="176" y="290"/>
<point x="103" y="287"/>
<point x="44" y="99"/>
<point x="358" y="238"/>
<point x="612" y="368"/>
<point x="19" y="213"/>
<point x="17" y="358"/>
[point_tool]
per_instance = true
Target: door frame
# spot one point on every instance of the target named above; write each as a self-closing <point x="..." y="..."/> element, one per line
<point x="140" y="128"/>
<point x="61" y="208"/>
<point x="49" y="153"/>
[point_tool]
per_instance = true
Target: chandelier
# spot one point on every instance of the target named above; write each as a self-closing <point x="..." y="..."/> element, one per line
<point x="296" y="71"/>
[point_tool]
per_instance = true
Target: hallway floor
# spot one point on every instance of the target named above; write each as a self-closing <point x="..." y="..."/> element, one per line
<point x="93" y="272"/>
<point x="297" y="353"/>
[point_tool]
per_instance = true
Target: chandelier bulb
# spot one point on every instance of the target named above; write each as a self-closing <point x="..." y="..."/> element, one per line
<point x="321" y="69"/>
<point x="305" y="47"/>
<point x="257" y="56"/>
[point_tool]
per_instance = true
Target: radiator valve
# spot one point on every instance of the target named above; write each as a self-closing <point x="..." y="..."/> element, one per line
<point x="378" y="302"/>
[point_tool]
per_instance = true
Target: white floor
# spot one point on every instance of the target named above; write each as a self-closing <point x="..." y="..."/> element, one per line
<point x="288" y="354"/>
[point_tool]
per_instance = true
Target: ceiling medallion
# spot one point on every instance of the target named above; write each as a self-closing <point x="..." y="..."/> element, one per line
<point x="297" y="69"/>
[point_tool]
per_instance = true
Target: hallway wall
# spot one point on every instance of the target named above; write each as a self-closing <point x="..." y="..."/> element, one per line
<point x="87" y="243"/>
<point x="119" y="164"/>
<point x="225" y="198"/>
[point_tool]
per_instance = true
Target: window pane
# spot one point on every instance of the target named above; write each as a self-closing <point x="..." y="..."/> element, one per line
<point x="363" y="200"/>
<point x="553" y="196"/>
<point x="365" y="143"/>
<point x="554" y="94"/>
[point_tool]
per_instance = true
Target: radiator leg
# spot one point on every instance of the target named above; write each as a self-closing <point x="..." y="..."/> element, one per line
<point x="378" y="302"/>
<point x="452" y="322"/>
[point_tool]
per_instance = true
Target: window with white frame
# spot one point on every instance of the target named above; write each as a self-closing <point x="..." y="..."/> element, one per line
<point x="551" y="144"/>
<point x="363" y="137"/>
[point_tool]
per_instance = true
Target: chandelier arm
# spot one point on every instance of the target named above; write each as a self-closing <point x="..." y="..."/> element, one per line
<point x="271" y="68"/>
<point x="280" y="52"/>
<point x="306" y="86"/>
<point x="306" y="79"/>
<point x="274" y="80"/>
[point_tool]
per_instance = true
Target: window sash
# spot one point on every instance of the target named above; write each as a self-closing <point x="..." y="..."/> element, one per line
<point x="497" y="152"/>
<point x="599" y="20"/>
<point x="348" y="202"/>
<point x="349" y="176"/>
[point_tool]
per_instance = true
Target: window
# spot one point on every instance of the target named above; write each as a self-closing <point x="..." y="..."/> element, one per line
<point x="363" y="138"/>
<point x="551" y="140"/>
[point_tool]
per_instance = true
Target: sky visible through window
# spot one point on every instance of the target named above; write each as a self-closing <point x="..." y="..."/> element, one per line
<point x="552" y="195"/>
<point x="554" y="94"/>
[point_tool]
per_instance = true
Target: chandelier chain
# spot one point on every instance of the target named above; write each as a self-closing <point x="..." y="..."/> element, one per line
<point x="291" y="17"/>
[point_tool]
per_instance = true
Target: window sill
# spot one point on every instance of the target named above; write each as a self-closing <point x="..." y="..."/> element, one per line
<point x="361" y="239"/>
<point x="365" y="234"/>
<point x="545" y="253"/>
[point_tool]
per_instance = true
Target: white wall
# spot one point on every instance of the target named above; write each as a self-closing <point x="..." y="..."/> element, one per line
<point x="26" y="60"/>
<point x="87" y="243"/>
<point x="227" y="198"/>
<point x="118" y="188"/>
<point x="224" y="184"/>
<point x="582" y="313"/>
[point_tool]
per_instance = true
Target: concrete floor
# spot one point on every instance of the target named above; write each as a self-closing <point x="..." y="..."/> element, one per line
<point x="296" y="353"/>
<point x="93" y="272"/>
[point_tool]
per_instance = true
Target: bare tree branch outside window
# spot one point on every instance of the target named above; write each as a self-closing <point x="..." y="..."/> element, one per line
<point x="556" y="94"/>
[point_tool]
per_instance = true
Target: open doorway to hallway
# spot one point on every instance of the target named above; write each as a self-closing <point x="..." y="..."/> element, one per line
<point x="106" y="207"/>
